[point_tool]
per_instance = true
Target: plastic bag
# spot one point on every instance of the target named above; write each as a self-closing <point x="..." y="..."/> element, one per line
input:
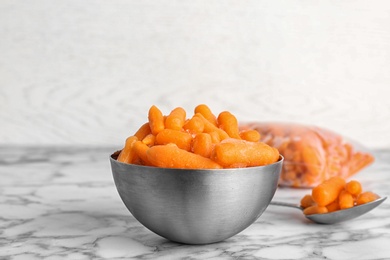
<point x="311" y="154"/>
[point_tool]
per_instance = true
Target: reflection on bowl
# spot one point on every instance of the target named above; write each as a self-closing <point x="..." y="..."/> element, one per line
<point x="195" y="206"/>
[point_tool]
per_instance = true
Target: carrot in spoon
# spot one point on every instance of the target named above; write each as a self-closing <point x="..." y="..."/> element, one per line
<point x="328" y="191"/>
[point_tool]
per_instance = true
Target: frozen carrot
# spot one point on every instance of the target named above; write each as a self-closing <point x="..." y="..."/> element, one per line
<point x="334" y="206"/>
<point x="143" y="131"/>
<point x="156" y="120"/>
<point x="181" y="139"/>
<point x="194" y="125"/>
<point x="215" y="137"/>
<point x="345" y="200"/>
<point x="315" y="209"/>
<point x="140" y="150"/>
<point x="209" y="127"/>
<point x="354" y="187"/>
<point x="307" y="201"/>
<point x="127" y="155"/>
<point x="202" y="145"/>
<point x="171" y="156"/>
<point x="328" y="191"/>
<point x="175" y="120"/>
<point x="232" y="151"/>
<point x="206" y="112"/>
<point x="366" y="197"/>
<point x="312" y="160"/>
<point x="228" y="122"/>
<point x="149" y="140"/>
<point x="250" y="135"/>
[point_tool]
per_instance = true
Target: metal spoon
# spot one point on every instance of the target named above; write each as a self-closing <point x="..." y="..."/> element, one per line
<point x="336" y="216"/>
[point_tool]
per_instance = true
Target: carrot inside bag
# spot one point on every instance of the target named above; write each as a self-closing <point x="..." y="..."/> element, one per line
<point x="311" y="154"/>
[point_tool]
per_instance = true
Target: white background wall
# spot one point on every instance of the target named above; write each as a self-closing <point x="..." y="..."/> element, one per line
<point x="86" y="72"/>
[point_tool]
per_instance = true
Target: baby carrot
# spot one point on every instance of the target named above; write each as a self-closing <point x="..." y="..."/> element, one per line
<point x="328" y="191"/>
<point x="228" y="122"/>
<point x="354" y="187"/>
<point x="149" y="140"/>
<point x="315" y="209"/>
<point x="202" y="145"/>
<point x="171" y="156"/>
<point x="143" y="131"/>
<point x="250" y="135"/>
<point x="181" y="139"/>
<point x="194" y="125"/>
<point x="215" y="137"/>
<point x="345" y="200"/>
<point x="175" y="120"/>
<point x="140" y="150"/>
<point x="209" y="127"/>
<point x="240" y="152"/>
<point x="334" y="206"/>
<point x="156" y="120"/>
<point x="312" y="160"/>
<point x="366" y="197"/>
<point x="206" y="112"/>
<point x="307" y="201"/>
<point x="127" y="155"/>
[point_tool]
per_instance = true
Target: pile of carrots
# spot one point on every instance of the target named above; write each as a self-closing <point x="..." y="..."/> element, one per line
<point x="335" y="194"/>
<point x="203" y="141"/>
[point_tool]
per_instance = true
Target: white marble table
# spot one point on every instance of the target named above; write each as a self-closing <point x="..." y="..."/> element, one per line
<point x="61" y="203"/>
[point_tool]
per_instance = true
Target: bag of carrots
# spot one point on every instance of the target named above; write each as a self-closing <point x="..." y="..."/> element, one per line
<point x="311" y="154"/>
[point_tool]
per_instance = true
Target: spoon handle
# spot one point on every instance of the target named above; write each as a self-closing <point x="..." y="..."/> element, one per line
<point x="285" y="204"/>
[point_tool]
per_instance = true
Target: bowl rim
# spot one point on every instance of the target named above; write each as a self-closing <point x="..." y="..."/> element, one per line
<point x="114" y="156"/>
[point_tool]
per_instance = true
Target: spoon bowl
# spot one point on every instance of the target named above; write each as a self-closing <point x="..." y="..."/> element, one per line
<point x="336" y="216"/>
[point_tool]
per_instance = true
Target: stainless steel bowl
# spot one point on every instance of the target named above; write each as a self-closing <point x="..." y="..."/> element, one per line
<point x="195" y="206"/>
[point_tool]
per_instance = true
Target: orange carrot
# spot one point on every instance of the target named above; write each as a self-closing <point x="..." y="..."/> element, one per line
<point x="354" y="187"/>
<point x="345" y="200"/>
<point x="232" y="152"/>
<point x="194" y="125"/>
<point x="206" y="112"/>
<point x="366" y="197"/>
<point x="315" y="210"/>
<point x="149" y="140"/>
<point x="156" y="120"/>
<point x="307" y="201"/>
<point x="171" y="156"/>
<point x="175" y="120"/>
<point x="127" y="154"/>
<point x="202" y="145"/>
<point x="214" y="137"/>
<point x="228" y="122"/>
<point x="328" y="191"/>
<point x="181" y="139"/>
<point x="250" y="135"/>
<point x="312" y="160"/>
<point x="140" y="150"/>
<point x="209" y="127"/>
<point x="143" y="131"/>
<point x="334" y="206"/>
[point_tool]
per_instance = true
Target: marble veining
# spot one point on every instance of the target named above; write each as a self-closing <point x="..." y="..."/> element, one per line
<point x="61" y="203"/>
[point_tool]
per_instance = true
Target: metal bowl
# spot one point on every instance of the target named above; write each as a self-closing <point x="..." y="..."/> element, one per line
<point x="195" y="206"/>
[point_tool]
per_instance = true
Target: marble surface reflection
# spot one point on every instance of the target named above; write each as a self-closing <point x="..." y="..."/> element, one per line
<point x="61" y="203"/>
